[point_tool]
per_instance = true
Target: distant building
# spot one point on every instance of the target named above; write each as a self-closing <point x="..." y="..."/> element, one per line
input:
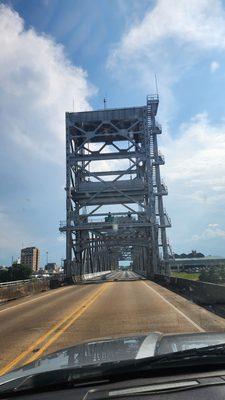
<point x="51" y="267"/>
<point x="30" y="256"/>
<point x="185" y="264"/>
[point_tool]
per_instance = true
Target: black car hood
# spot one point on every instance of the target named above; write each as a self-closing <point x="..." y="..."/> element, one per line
<point x="116" y="349"/>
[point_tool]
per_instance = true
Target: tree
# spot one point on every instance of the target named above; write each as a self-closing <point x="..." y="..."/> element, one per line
<point x="193" y="254"/>
<point x="4" y="275"/>
<point x="214" y="275"/>
<point x="15" y="273"/>
<point x="176" y="255"/>
<point x="20" y="272"/>
<point x="203" y="276"/>
<point x="200" y="255"/>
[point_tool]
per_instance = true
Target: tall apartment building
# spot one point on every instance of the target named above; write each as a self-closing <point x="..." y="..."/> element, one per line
<point x="30" y="256"/>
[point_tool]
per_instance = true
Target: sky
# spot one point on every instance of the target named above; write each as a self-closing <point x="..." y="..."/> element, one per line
<point x="59" y="55"/>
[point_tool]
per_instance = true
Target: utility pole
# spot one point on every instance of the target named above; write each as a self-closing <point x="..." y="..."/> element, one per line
<point x="46" y="257"/>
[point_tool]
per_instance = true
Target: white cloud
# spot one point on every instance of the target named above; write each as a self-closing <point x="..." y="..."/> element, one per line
<point x="194" y="21"/>
<point x="211" y="232"/>
<point x="168" y="41"/>
<point x="214" y="66"/>
<point x="38" y="84"/>
<point x="195" y="159"/>
<point x="195" y="174"/>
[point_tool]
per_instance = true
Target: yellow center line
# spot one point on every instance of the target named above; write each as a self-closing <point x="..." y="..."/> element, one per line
<point x="58" y="328"/>
<point x="65" y="327"/>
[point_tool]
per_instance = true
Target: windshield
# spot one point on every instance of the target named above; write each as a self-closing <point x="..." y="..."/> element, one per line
<point x="112" y="183"/>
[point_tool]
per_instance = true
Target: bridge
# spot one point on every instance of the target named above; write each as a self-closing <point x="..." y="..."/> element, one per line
<point x="114" y="213"/>
<point x="114" y="192"/>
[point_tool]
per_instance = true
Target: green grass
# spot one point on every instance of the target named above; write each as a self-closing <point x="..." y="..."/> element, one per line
<point x="194" y="276"/>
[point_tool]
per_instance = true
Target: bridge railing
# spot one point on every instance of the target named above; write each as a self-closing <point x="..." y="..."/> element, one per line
<point x="16" y="289"/>
<point x="12" y="283"/>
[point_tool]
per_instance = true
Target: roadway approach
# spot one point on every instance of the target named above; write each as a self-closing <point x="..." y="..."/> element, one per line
<point x="121" y="304"/>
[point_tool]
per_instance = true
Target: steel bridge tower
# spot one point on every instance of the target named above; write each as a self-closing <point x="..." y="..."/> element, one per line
<point x="114" y="192"/>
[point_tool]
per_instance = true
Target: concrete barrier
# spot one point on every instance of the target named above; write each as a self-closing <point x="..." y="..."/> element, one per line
<point x="200" y="292"/>
<point x="17" y="289"/>
<point x="86" y="277"/>
<point x="95" y="275"/>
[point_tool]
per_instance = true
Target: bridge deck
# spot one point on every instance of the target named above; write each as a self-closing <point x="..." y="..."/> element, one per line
<point x="41" y="324"/>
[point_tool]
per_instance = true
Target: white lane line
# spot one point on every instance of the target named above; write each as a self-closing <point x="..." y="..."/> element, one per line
<point x="116" y="275"/>
<point x="175" y="308"/>
<point x="111" y="275"/>
<point x="32" y="301"/>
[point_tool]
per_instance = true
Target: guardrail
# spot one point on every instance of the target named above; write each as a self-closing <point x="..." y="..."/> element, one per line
<point x="16" y="289"/>
<point x="95" y="274"/>
<point x="202" y="293"/>
<point x="87" y="277"/>
<point x="11" y="283"/>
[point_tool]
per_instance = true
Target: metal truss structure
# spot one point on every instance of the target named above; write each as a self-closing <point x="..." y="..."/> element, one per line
<point x="114" y="192"/>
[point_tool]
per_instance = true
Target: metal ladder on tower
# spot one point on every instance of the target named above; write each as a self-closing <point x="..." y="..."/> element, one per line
<point x="151" y="139"/>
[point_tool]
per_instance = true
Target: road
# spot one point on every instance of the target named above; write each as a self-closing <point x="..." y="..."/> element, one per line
<point x="37" y="325"/>
<point x="122" y="276"/>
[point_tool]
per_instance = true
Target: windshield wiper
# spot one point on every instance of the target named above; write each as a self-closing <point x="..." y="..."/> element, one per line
<point x="106" y="372"/>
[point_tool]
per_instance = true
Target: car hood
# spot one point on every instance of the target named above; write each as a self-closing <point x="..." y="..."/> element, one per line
<point x="115" y="349"/>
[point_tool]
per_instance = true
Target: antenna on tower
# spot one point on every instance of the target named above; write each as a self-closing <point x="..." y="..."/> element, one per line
<point x="156" y="85"/>
<point x="73" y="104"/>
<point x="105" y="102"/>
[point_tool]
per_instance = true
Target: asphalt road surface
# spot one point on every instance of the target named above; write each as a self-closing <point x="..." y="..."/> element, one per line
<point x="122" y="304"/>
<point x="122" y="276"/>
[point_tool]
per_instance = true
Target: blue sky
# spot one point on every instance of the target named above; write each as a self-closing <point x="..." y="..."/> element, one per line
<point x="53" y="51"/>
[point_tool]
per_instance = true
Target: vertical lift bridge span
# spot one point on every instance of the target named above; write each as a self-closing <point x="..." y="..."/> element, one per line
<point x="114" y="192"/>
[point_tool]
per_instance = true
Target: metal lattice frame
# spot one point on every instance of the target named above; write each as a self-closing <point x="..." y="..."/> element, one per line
<point x="96" y="241"/>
